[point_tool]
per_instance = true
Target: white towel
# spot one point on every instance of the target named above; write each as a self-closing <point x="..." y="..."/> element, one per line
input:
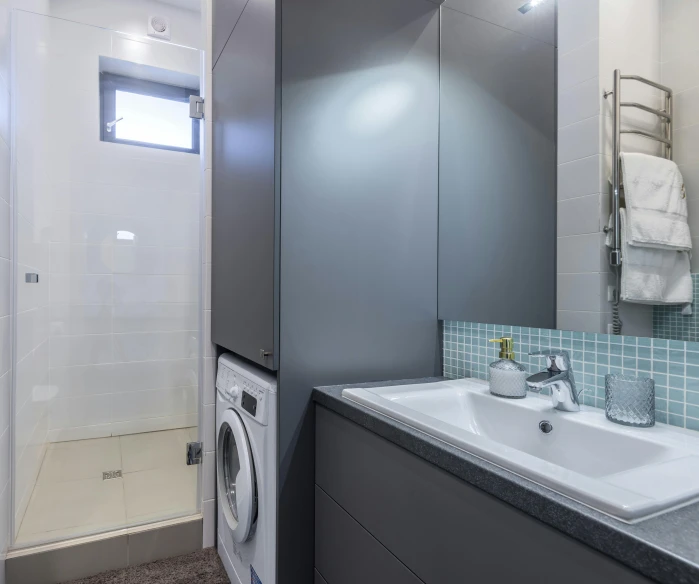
<point x="656" y="204"/>
<point x="652" y="275"/>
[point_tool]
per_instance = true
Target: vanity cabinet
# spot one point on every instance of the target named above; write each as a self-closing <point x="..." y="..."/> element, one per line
<point x="383" y="514"/>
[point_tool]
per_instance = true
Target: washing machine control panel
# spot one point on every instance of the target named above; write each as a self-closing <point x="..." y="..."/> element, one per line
<point x="246" y="395"/>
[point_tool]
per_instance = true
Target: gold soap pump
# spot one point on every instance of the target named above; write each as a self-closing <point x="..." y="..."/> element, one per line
<point x="507" y="377"/>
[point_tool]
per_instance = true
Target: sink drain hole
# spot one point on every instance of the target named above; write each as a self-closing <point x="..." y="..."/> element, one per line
<point x="545" y="426"/>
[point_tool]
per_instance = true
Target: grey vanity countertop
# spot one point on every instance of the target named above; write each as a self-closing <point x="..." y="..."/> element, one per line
<point x="664" y="548"/>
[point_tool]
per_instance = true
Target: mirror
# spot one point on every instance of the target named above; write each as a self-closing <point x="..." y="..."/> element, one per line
<point x="531" y="127"/>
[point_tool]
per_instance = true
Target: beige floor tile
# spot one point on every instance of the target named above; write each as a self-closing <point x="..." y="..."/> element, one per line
<point x="71" y="499"/>
<point x="82" y="459"/>
<point x="152" y="450"/>
<point x="89" y="503"/>
<point x="160" y="492"/>
<point x="78" y="444"/>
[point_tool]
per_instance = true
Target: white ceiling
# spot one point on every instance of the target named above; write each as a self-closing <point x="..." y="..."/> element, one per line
<point x="186" y="4"/>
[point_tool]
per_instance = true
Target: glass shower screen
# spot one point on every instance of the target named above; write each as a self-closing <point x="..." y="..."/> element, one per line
<point x="107" y="282"/>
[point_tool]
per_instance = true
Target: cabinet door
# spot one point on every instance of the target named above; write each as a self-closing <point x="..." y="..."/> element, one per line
<point x="243" y="221"/>
<point x="346" y="553"/>
<point x="225" y="17"/>
<point x="441" y="528"/>
<point x="497" y="174"/>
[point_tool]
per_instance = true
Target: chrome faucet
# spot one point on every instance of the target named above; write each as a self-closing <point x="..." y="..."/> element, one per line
<point x="559" y="377"/>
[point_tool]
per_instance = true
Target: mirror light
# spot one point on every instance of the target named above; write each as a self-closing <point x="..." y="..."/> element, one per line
<point x="529" y="5"/>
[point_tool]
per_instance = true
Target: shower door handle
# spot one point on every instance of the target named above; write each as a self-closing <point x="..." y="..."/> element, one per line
<point x="31" y="278"/>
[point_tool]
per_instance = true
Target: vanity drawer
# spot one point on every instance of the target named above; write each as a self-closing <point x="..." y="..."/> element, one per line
<point x="346" y="553"/>
<point x="441" y="528"/>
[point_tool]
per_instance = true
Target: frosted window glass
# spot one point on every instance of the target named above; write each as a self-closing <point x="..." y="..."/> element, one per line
<point x="153" y="120"/>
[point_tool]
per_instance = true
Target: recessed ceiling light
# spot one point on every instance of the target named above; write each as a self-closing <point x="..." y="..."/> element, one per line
<point x="529" y="5"/>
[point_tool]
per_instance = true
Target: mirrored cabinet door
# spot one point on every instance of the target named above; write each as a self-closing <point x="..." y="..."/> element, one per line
<point x="569" y="180"/>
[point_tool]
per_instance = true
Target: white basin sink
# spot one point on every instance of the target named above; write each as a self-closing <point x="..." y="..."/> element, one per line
<point x="629" y="473"/>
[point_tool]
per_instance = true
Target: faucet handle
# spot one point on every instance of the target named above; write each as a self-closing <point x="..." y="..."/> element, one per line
<point x="559" y="359"/>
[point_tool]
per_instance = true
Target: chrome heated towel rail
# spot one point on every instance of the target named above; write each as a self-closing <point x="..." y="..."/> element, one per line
<point x="665" y="139"/>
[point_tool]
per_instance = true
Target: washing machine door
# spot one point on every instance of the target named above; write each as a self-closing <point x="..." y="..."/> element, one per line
<point x="237" y="485"/>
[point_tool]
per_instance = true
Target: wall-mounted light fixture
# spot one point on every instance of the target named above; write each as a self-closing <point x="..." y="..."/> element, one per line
<point x="529" y="5"/>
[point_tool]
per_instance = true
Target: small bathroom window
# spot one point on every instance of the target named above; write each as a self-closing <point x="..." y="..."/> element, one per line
<point x="146" y="113"/>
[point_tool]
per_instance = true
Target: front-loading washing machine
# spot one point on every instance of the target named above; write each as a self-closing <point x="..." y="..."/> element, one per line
<point x="246" y="465"/>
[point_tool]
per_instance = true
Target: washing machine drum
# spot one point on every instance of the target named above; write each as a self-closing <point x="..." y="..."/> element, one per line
<point x="237" y="484"/>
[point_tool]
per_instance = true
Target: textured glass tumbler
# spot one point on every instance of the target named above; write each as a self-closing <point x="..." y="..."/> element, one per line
<point x="630" y="400"/>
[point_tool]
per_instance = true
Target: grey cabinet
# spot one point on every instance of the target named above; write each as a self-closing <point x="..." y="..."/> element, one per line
<point x="243" y="223"/>
<point x="497" y="171"/>
<point x="325" y="186"/>
<point x="437" y="526"/>
<point x="346" y="553"/>
<point x="358" y="206"/>
<point x="225" y="18"/>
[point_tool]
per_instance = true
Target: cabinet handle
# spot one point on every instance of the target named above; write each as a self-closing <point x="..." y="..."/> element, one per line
<point x="31" y="278"/>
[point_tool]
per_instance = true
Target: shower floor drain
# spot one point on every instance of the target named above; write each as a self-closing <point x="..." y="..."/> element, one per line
<point x="111" y="474"/>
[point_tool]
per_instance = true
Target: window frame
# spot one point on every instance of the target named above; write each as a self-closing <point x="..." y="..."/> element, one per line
<point x="110" y="83"/>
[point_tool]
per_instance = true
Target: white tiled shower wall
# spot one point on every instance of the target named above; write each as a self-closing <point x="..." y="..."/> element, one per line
<point x="118" y="326"/>
<point x="130" y="15"/>
<point x="595" y="37"/>
<point x="580" y="163"/>
<point x="5" y="284"/>
<point x="122" y="312"/>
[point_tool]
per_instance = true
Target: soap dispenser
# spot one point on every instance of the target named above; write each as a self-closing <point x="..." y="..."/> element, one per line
<point x="507" y="377"/>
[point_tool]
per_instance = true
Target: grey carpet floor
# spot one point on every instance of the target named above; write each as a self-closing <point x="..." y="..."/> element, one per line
<point x="203" y="566"/>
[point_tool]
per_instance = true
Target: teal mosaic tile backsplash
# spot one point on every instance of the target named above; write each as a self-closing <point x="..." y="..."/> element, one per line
<point x="670" y="323"/>
<point x="674" y="365"/>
